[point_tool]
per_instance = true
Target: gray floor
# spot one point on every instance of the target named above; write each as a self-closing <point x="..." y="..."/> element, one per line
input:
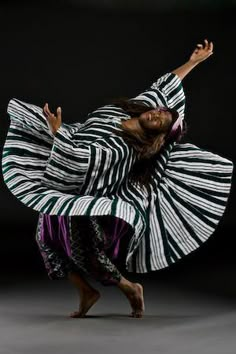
<point x="34" y="319"/>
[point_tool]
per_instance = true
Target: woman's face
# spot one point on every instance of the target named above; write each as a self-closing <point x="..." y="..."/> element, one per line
<point x="158" y="119"/>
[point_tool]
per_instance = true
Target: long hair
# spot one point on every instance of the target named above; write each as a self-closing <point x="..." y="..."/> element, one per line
<point x="147" y="144"/>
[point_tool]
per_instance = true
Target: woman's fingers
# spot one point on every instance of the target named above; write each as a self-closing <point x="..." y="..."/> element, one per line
<point x="206" y="44"/>
<point x="47" y="110"/>
<point x="59" y="113"/>
<point x="207" y="47"/>
<point x="48" y="113"/>
<point x="211" y="46"/>
<point x="44" y="109"/>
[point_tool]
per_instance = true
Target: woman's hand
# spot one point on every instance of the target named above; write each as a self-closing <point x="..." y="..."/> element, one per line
<point x="54" y="121"/>
<point x="202" y="52"/>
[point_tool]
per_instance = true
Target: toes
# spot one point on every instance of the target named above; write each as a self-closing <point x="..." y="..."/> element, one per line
<point x="139" y="315"/>
<point x="73" y="314"/>
<point x="77" y="314"/>
<point x="136" y="315"/>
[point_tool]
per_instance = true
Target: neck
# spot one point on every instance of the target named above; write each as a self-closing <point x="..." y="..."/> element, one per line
<point x="133" y="124"/>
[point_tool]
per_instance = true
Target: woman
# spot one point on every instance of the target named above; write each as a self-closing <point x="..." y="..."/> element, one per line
<point x="119" y="180"/>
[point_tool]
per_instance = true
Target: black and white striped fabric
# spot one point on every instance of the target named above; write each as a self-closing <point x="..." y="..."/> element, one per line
<point x="84" y="169"/>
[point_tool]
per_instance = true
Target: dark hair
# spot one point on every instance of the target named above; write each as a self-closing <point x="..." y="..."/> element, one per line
<point x="146" y="144"/>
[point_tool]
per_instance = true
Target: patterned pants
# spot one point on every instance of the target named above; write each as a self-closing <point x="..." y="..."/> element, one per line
<point x="87" y="245"/>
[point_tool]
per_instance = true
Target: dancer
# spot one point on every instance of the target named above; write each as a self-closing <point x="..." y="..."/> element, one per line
<point x="120" y="178"/>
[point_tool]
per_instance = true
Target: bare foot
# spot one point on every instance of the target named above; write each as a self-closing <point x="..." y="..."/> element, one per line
<point x="136" y="300"/>
<point x="87" y="300"/>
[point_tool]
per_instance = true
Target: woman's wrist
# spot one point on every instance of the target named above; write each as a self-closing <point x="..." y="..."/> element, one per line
<point x="192" y="63"/>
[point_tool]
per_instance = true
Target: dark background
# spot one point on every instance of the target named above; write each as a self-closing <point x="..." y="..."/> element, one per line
<point x="82" y="54"/>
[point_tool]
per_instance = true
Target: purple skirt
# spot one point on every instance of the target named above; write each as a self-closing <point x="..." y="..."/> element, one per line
<point x="88" y="245"/>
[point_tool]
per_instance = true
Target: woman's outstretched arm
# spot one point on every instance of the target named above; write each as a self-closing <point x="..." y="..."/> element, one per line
<point x="201" y="53"/>
<point x="160" y="93"/>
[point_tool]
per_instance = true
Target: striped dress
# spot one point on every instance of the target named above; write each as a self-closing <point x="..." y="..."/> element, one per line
<point x="83" y="171"/>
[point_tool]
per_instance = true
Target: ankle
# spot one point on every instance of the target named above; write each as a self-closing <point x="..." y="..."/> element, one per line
<point x="79" y="282"/>
<point x="125" y="285"/>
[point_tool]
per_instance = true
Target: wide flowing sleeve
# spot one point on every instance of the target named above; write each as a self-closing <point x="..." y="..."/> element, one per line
<point x="58" y="162"/>
<point x="68" y="161"/>
<point x="167" y="91"/>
